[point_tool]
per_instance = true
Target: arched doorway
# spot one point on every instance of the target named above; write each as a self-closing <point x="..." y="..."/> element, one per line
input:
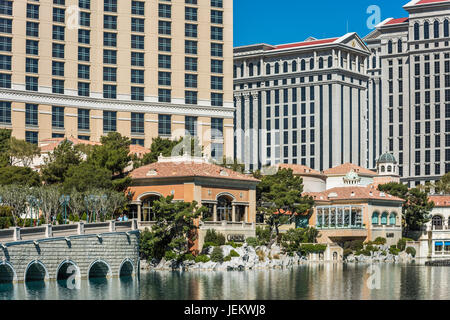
<point x="436" y="221"/>
<point x="224" y="208"/>
<point x="335" y="256"/>
<point x="126" y="269"/>
<point x="35" y="272"/>
<point x="99" y="269"/>
<point x="7" y="273"/>
<point x="147" y="208"/>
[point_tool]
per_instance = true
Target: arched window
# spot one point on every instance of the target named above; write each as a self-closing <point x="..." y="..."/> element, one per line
<point x="436" y="29"/>
<point x="147" y="208"/>
<point x="384" y="218"/>
<point x="375" y="218"/>
<point x="416" y="31"/>
<point x="285" y="67"/>
<point x="426" y="30"/>
<point x="277" y="68"/>
<point x="446" y="33"/>
<point x="224" y="208"/>
<point x="399" y="45"/>
<point x="242" y="70"/>
<point x="330" y="62"/>
<point x="320" y="63"/>
<point x="382" y="169"/>
<point x="436" y="221"/>
<point x="311" y="64"/>
<point x="250" y="70"/>
<point x="390" y="46"/>
<point x="267" y="68"/>
<point x="392" y="219"/>
<point x="294" y="66"/>
<point x="303" y="65"/>
<point x="389" y="169"/>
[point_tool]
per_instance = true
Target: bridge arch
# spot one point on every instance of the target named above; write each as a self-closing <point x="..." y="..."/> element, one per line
<point x="7" y="272"/>
<point x="63" y="272"/>
<point x="99" y="269"/>
<point x="35" y="271"/>
<point x="126" y="268"/>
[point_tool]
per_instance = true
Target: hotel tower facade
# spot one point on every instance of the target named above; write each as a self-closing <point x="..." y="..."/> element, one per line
<point x="145" y="69"/>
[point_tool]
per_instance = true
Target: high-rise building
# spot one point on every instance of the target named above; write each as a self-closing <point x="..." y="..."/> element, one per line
<point x="409" y="91"/>
<point x="302" y="103"/>
<point x="149" y="68"/>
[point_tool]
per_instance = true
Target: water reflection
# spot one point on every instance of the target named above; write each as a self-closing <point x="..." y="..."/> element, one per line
<point x="316" y="281"/>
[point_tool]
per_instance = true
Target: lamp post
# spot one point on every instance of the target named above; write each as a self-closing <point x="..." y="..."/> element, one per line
<point x="32" y="201"/>
<point x="64" y="201"/>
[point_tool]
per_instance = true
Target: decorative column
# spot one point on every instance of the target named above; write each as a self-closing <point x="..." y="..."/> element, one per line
<point x="238" y="132"/>
<point x="246" y="149"/>
<point x="215" y="212"/>
<point x="139" y="213"/>
<point x="233" y="212"/>
<point x="255" y="130"/>
<point x="245" y="214"/>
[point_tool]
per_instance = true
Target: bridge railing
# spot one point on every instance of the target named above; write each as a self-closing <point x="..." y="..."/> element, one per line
<point x="51" y="231"/>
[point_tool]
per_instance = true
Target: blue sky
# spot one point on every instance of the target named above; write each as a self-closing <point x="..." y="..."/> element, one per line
<point x="286" y="21"/>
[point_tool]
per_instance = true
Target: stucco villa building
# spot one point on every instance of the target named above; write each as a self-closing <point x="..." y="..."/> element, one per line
<point x="230" y="196"/>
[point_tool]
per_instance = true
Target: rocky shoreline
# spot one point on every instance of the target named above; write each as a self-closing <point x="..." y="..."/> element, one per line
<point x="263" y="257"/>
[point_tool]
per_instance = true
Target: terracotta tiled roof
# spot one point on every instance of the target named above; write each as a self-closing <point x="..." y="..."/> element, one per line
<point x="351" y="193"/>
<point x="440" y="201"/>
<point x="299" y="169"/>
<point x="187" y="169"/>
<point x="396" y="21"/>
<point x="347" y="167"/>
<point x="138" y="150"/>
<point x="305" y="43"/>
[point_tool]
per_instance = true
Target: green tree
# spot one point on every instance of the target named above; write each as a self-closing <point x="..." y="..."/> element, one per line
<point x="174" y="229"/>
<point x="59" y="161"/>
<point x="112" y="154"/>
<point x="15" y="197"/>
<point x="232" y="164"/>
<point x="19" y="175"/>
<point x="5" y="140"/>
<point x="443" y="185"/>
<point x="48" y="196"/>
<point x="416" y="208"/>
<point x="159" y="146"/>
<point x="85" y="176"/>
<point x="22" y="152"/>
<point x="279" y="198"/>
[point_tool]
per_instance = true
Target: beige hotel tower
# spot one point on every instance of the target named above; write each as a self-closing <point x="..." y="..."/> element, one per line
<point x="83" y="68"/>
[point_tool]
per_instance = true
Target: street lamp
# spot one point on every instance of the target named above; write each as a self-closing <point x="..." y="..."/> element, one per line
<point x="32" y="201"/>
<point x="64" y="201"/>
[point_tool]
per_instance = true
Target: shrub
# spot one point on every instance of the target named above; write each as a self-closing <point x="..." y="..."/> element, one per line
<point x="209" y="244"/>
<point x="383" y="253"/>
<point x="251" y="241"/>
<point x="202" y="258"/>
<point x="354" y="245"/>
<point x="217" y="255"/>
<point x="347" y="252"/>
<point x="380" y="241"/>
<point x="227" y="258"/>
<point x="394" y="250"/>
<point x="276" y="256"/>
<point x="170" y="255"/>
<point x="371" y="248"/>
<point x="71" y="217"/>
<point x="401" y="244"/>
<point x="84" y="217"/>
<point x="214" y="237"/>
<point x="411" y="251"/>
<point x="363" y="252"/>
<point x="188" y="257"/>
<point x="234" y="244"/>
<point x="312" y="248"/>
<point x="261" y="255"/>
<point x="263" y="235"/>
<point x="60" y="218"/>
<point x="234" y="254"/>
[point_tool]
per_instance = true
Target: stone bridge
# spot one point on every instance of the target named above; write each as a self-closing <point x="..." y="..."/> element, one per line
<point x="93" y="250"/>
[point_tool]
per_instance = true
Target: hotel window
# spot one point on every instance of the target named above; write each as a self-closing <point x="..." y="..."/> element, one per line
<point x="164" y="27"/>
<point x="217" y="50"/>
<point x="5" y="80"/>
<point x="5" y="62"/>
<point x="191" y="125"/>
<point x="83" y="119"/>
<point x="31" y="83"/>
<point x="164" y="95"/>
<point x="137" y="7"/>
<point x="57" y="117"/>
<point x="84" y="54"/>
<point x="190" y="80"/>
<point x="84" y="4"/>
<point x="137" y="59"/>
<point x="110" y="56"/>
<point x="217" y="83"/>
<point x="109" y="121"/>
<point x="216" y="17"/>
<point x="217" y="66"/>
<point x="164" y="44"/>
<point x="58" y="68"/>
<point x="217" y="3"/>
<point x="109" y="39"/>
<point x="190" y="47"/>
<point x="83" y="89"/>
<point x="109" y="74"/>
<point x="6" y="7"/>
<point x="110" y="22"/>
<point x="190" y="14"/>
<point x="190" y="30"/>
<point x="58" y="33"/>
<point x="110" y="5"/>
<point x="31" y="114"/>
<point x="33" y="11"/>
<point x="216" y="33"/>
<point x="84" y="36"/>
<point x="190" y="97"/>
<point x="191" y="1"/>
<point x="5" y="112"/>
<point x="109" y="91"/>
<point x="137" y="42"/>
<point x="137" y="122"/>
<point x="83" y="71"/>
<point x="6" y="27"/>
<point x="59" y="2"/>
<point x="137" y="25"/>
<point x="58" y="50"/>
<point x="164" y="61"/>
<point x="137" y="93"/>
<point x="82" y="137"/>
<point x="190" y="64"/>
<point x="164" y="78"/>
<point x="6" y="44"/>
<point x="137" y="142"/>
<point x="446" y="29"/>
<point x="216" y="99"/>
<point x="217" y="151"/>
<point x="216" y="128"/>
<point x="137" y="76"/>
<point x="31" y="137"/>
<point x="164" y="11"/>
<point x="85" y="19"/>
<point x="164" y="125"/>
<point x="58" y="15"/>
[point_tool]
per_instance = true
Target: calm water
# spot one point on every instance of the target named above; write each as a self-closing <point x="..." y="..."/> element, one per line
<point x="326" y="281"/>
